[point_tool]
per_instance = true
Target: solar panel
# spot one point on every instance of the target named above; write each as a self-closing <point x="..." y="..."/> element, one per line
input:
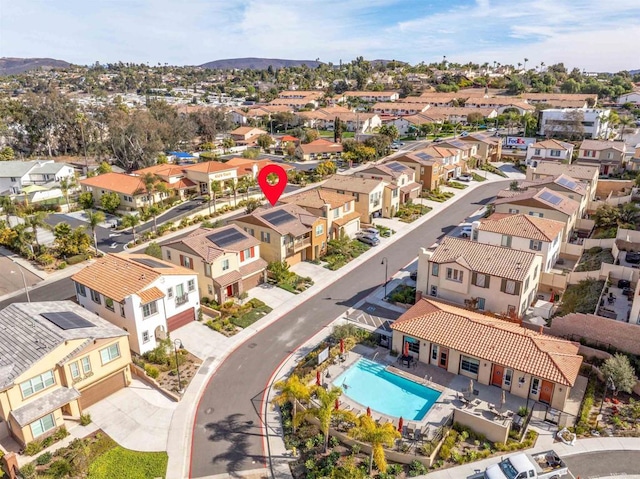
<point x="279" y="217"/>
<point x="424" y="156"/>
<point x="395" y="166"/>
<point x="551" y="198"/>
<point x="225" y="238"/>
<point x="151" y="263"/>
<point x="67" y="320"/>
<point x="566" y="182"/>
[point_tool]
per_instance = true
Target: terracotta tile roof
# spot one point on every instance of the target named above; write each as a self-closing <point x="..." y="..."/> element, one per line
<point x="351" y="184"/>
<point x="209" y="167"/>
<point x="151" y="294"/>
<point x="552" y="144"/>
<point x="369" y="93"/>
<point x="117" y="276"/>
<point x="564" y="204"/>
<point x="321" y="146"/>
<point x="228" y="278"/>
<point x="486" y="259"/>
<point x="579" y="172"/>
<point x="244" y="130"/>
<point x="494" y="340"/>
<point x="245" y="166"/>
<point x="387" y="169"/>
<point x="181" y="184"/>
<point x="162" y="170"/>
<point x="603" y="145"/>
<point x="318" y="198"/>
<point x="397" y="105"/>
<point x="523" y="226"/>
<point x="198" y="242"/>
<point x="558" y="96"/>
<point x="252" y="268"/>
<point x="409" y="187"/>
<point x="301" y="222"/>
<point x="449" y="111"/>
<point x="346" y="219"/>
<point x="118" y="182"/>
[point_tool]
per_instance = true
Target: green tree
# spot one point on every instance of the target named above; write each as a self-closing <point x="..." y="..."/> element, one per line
<point x="264" y="141"/>
<point x="338" y="129"/>
<point x="103" y="168"/>
<point x="228" y="143"/>
<point x="70" y="242"/>
<point x="151" y="182"/>
<point x="110" y="202"/>
<point x="131" y="221"/>
<point x="251" y="153"/>
<point x="233" y="186"/>
<point x="326" y="168"/>
<point x="162" y="159"/>
<point x="35" y="221"/>
<point x="154" y="250"/>
<point x="252" y="205"/>
<point x="86" y="200"/>
<point x="606" y="215"/>
<point x="629" y="213"/>
<point x="378" y="435"/>
<point x="620" y="370"/>
<point x="7" y="154"/>
<point x="66" y="184"/>
<point x="310" y="135"/>
<point x="279" y="270"/>
<point x="291" y="391"/>
<point x="390" y="131"/>
<point x="324" y="409"/>
<point x="154" y="211"/>
<point x="214" y="190"/>
<point x="94" y="218"/>
<point x="8" y="208"/>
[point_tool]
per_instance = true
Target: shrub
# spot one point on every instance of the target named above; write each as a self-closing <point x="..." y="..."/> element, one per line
<point x="85" y="419"/>
<point x="44" y="459"/>
<point x="416" y="468"/>
<point x="445" y="452"/>
<point x="151" y="371"/>
<point x="28" y="471"/>
<point x="33" y="448"/>
<point x="60" y="468"/>
<point x="45" y="259"/>
<point x="62" y="265"/>
<point x="523" y="411"/>
<point x="79" y="258"/>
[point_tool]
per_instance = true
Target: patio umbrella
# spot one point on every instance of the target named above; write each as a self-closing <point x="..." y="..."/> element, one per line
<point x="553" y="297"/>
<point x="400" y="424"/>
<point x="318" y="382"/>
<point x="406" y="348"/>
<point x="470" y="387"/>
<point x="368" y="411"/>
<point x="337" y="405"/>
<point x="503" y="399"/>
<point x="342" y="346"/>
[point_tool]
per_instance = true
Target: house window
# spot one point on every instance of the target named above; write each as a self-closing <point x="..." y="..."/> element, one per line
<point x="537" y="152"/>
<point x="225" y="264"/>
<point x="481" y="280"/>
<point x="210" y="289"/>
<point x="86" y="364"/>
<point x="109" y="354"/>
<point x="526" y="284"/>
<point x="555" y="153"/>
<point x="149" y="309"/>
<point x="108" y="302"/>
<point x="510" y="287"/>
<point x="481" y="304"/>
<point x="336" y="213"/>
<point x="42" y="425"/>
<point x="535" y="245"/>
<point x="81" y="290"/>
<point x="75" y="370"/>
<point x="535" y="273"/>
<point x="506" y="241"/>
<point x="265" y="237"/>
<point x="533" y="213"/>
<point x="247" y="253"/>
<point x="191" y="285"/>
<point x="122" y="309"/>
<point x="168" y="254"/>
<point x="434" y="352"/>
<point x="207" y="270"/>
<point x="169" y="292"/>
<point x="455" y="275"/>
<point x="470" y="365"/>
<point x="319" y="230"/>
<point x="508" y="374"/>
<point x="434" y="269"/>
<point x="36" y="384"/>
<point x="95" y="296"/>
<point x="186" y="262"/>
<point x="535" y="386"/>
<point x="346" y="208"/>
<point x="513" y="211"/>
<point x="145" y="336"/>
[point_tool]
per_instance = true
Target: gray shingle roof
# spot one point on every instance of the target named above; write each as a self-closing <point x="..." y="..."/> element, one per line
<point x="27" y="336"/>
<point x="16" y="169"/>
<point x="44" y="405"/>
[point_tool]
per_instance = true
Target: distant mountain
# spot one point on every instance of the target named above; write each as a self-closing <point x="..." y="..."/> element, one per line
<point x="257" y="63"/>
<point x="15" y="66"/>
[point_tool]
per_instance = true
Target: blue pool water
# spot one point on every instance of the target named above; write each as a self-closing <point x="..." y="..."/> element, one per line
<point x="370" y="385"/>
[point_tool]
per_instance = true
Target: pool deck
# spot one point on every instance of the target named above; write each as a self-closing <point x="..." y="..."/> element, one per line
<point x="452" y="387"/>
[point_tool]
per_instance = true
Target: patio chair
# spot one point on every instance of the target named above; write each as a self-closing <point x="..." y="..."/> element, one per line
<point x="357" y="412"/>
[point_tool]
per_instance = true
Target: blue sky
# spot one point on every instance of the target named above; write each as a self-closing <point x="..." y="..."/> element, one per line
<point x="588" y="34"/>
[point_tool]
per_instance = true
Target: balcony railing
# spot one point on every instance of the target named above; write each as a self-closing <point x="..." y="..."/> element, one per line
<point x="180" y="300"/>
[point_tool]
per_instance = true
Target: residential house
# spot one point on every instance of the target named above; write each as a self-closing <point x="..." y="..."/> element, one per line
<point x="549" y="97"/>
<point x="543" y="203"/>
<point x="370" y="96"/>
<point x="489" y="146"/>
<point x="245" y="134"/>
<point x="56" y="360"/>
<point x="397" y="174"/>
<point x="227" y="260"/>
<point x="549" y="150"/>
<point x="563" y="184"/>
<point x="287" y="233"/>
<point x="481" y="276"/>
<point x="319" y="149"/>
<point x="397" y="108"/>
<point x="468" y="152"/>
<point x="141" y="294"/>
<point x="339" y="210"/>
<point x="490" y="351"/>
<point x="324" y="118"/>
<point x="634" y="162"/>
<point x="522" y="232"/>
<point x="582" y="173"/>
<point x="631" y="97"/>
<point x="374" y="198"/>
<point x="295" y="104"/>
<point x="501" y="105"/>
<point x="301" y="94"/>
<point x="15" y="175"/>
<point x="410" y="124"/>
<point x="433" y="165"/>
<point x="574" y="123"/>
<point x="202" y="174"/>
<point x="130" y="189"/>
<point x="173" y="176"/>
<point x="609" y="156"/>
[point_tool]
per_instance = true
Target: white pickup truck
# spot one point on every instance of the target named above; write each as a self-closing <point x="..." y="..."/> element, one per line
<point x="544" y="465"/>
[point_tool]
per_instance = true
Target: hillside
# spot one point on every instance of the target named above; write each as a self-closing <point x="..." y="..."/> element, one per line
<point x="14" y="66"/>
<point x="257" y="63"/>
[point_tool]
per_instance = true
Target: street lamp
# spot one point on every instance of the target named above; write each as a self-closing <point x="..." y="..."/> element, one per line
<point x="177" y="344"/>
<point x="386" y="274"/>
<point x="24" y="280"/>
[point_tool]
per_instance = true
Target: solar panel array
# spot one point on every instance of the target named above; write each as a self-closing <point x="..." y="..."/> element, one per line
<point x="395" y="166"/>
<point x="151" y="263"/>
<point x="67" y="320"/>
<point x="279" y="217"/>
<point x="551" y="198"/>
<point x="566" y="182"/>
<point x="225" y="238"/>
<point x="424" y="156"/>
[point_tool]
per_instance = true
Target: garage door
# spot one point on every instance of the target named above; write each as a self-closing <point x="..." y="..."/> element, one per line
<point x="180" y="319"/>
<point x="101" y="390"/>
<point x="251" y="281"/>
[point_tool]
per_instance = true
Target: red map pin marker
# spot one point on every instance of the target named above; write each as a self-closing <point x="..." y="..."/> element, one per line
<point x="272" y="191"/>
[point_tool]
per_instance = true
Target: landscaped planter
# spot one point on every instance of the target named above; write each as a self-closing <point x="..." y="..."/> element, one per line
<point x="566" y="436"/>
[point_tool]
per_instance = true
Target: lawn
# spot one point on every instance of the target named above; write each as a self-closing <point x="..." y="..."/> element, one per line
<point x="341" y="251"/>
<point x="410" y="212"/>
<point x="125" y="464"/>
<point x="455" y="184"/>
<point x="234" y="315"/>
<point x="477" y="177"/>
<point x="437" y="195"/>
<point x="592" y="259"/>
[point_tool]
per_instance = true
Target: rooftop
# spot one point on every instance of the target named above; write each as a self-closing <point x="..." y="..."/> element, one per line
<point x="318" y="198"/>
<point x="549" y="198"/>
<point x="523" y="226"/>
<point x="552" y="145"/>
<point x="118" y="182"/>
<point x="579" y="172"/>
<point x="210" y="243"/>
<point x="351" y="184"/>
<point x="283" y="219"/>
<point x="321" y="146"/>
<point x="603" y="145"/>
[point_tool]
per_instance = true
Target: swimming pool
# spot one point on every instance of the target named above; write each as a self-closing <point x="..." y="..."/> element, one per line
<point x="369" y="384"/>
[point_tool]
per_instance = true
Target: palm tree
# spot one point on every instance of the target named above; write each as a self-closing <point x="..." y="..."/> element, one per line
<point x="94" y="218"/>
<point x="525" y="64"/>
<point x="131" y="221"/>
<point x="35" y="221"/>
<point x="66" y="184"/>
<point x="233" y="186"/>
<point x="324" y="410"/>
<point x="214" y="190"/>
<point x="291" y="391"/>
<point x="378" y="435"/>
<point x="150" y="183"/>
<point x="623" y="122"/>
<point x="154" y="210"/>
<point x="8" y="208"/>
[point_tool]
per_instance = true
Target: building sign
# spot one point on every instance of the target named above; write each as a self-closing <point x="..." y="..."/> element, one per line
<point x="519" y="142"/>
<point x="323" y="355"/>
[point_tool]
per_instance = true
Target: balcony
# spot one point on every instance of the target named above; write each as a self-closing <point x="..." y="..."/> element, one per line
<point x="182" y="299"/>
<point x="298" y="244"/>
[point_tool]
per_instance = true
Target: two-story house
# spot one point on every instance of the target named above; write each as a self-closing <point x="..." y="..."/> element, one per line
<point x="397" y="174"/>
<point x="141" y="294"/>
<point x="131" y="190"/>
<point x="489" y="146"/>
<point x="173" y="176"/>
<point x="286" y="233"/>
<point x="339" y="210"/>
<point x="397" y="108"/>
<point x="468" y="153"/>
<point x="202" y="174"/>
<point x="549" y="150"/>
<point x="319" y="149"/>
<point x="490" y="351"/>
<point x="481" y="276"/>
<point x="522" y="232"/>
<point x="374" y="198"/>
<point x="56" y="359"/>
<point x="543" y="203"/>
<point x="433" y="165"/>
<point x="585" y="174"/>
<point x="609" y="156"/>
<point x="227" y="260"/>
<point x="15" y="175"/>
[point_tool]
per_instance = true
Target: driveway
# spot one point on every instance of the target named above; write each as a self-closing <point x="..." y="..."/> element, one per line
<point x="137" y="417"/>
<point x="270" y="294"/>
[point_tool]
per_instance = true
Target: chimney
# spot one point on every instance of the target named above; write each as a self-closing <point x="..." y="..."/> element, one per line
<point x="10" y="462"/>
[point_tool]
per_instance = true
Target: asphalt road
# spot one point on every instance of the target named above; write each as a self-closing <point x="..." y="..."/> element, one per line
<point x="56" y="291"/>
<point x="603" y="464"/>
<point x="228" y="435"/>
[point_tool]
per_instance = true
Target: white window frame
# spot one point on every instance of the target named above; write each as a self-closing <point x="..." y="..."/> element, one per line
<point x="510" y="287"/>
<point x="95" y="296"/>
<point x="470" y="363"/>
<point x="506" y="241"/>
<point x="147" y="309"/>
<point x="508" y="377"/>
<point x="81" y="290"/>
<point x="191" y="285"/>
<point x="86" y="364"/>
<point x="169" y="292"/>
<point x="43" y="425"/>
<point x="455" y="275"/>
<point x="320" y="229"/>
<point x="110" y="353"/>
<point x="535" y="386"/>
<point x="435" y="269"/>
<point x="37" y="383"/>
<point x="109" y="304"/>
<point x="75" y="370"/>
<point x="434" y="352"/>
<point x="145" y="337"/>
<point x="207" y="270"/>
<point x="225" y="264"/>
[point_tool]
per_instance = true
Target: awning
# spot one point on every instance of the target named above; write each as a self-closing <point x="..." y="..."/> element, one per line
<point x="44" y="405"/>
<point x="229" y="278"/>
<point x="411" y="187"/>
<point x="150" y="294"/>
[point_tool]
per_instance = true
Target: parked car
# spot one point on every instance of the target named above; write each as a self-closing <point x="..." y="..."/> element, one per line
<point x="632" y="257"/>
<point x="369" y="231"/>
<point x="465" y="231"/>
<point x="545" y="465"/>
<point x="464" y="177"/>
<point x="369" y="239"/>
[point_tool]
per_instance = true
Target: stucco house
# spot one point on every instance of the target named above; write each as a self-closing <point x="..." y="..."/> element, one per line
<point x="15" y="174"/>
<point x="374" y="197"/>
<point x="396" y="173"/>
<point x="433" y="165"/>
<point x="319" y="149"/>
<point x="610" y="156"/>
<point x="130" y="188"/>
<point x="549" y="150"/>
<point x="582" y="173"/>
